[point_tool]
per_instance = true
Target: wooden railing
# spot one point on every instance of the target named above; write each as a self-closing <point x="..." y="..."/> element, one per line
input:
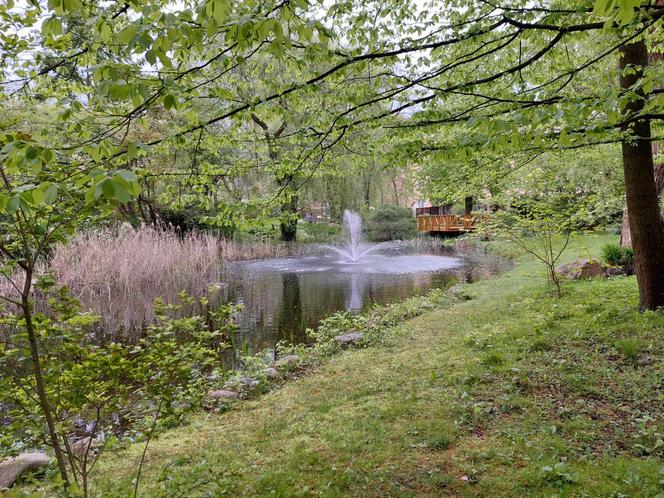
<point x="448" y="222"/>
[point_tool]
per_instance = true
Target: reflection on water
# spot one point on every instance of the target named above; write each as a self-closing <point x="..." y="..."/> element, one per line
<point x="283" y="297"/>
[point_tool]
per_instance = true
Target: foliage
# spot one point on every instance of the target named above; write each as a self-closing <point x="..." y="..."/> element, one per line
<point x="318" y="232"/>
<point x="224" y="111"/>
<point x="541" y="223"/>
<point x="100" y="393"/>
<point x="616" y="255"/>
<point x="538" y="231"/>
<point x="390" y="222"/>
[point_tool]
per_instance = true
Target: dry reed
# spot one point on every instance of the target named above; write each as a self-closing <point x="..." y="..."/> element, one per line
<point x="118" y="274"/>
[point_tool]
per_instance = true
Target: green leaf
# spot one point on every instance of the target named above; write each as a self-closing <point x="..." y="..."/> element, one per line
<point x="71" y="5"/>
<point x="121" y="192"/>
<point x="127" y="34"/>
<point x="127" y="175"/>
<point x="51" y="26"/>
<point x="31" y="153"/>
<point x="37" y="196"/>
<point x="13" y="204"/>
<point x="51" y="193"/>
<point x="170" y="102"/>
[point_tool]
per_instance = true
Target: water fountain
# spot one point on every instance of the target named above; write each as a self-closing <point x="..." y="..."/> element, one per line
<point x="282" y="297"/>
<point x="355" y="247"/>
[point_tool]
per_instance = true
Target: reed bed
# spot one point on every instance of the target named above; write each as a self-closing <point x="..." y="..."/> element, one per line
<point x="118" y="274"/>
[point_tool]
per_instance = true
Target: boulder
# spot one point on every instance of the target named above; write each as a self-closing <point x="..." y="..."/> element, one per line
<point x="348" y="338"/>
<point x="271" y="373"/>
<point x="223" y="394"/>
<point x="288" y="360"/>
<point x="13" y="467"/>
<point x="582" y="268"/>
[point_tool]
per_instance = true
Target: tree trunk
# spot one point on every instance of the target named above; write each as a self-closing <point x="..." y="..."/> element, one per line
<point x="625" y="233"/>
<point x="647" y="228"/>
<point x="468" y="202"/>
<point x="289" y="203"/>
<point x="26" y="307"/>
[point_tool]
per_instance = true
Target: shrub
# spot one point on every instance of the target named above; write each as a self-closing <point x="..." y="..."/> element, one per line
<point x="616" y="255"/>
<point x="100" y="393"/>
<point x="390" y="223"/>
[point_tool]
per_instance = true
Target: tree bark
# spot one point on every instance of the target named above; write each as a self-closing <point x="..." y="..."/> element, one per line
<point x="625" y="233"/>
<point x="647" y="228"/>
<point x="468" y="203"/>
<point x="289" y="203"/>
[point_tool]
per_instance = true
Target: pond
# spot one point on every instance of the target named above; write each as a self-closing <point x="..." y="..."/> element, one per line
<point x="283" y="297"/>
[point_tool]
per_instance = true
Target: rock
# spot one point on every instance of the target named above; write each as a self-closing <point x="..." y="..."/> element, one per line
<point x="288" y="360"/>
<point x="614" y="271"/>
<point x="582" y="268"/>
<point x="223" y="394"/>
<point x="349" y="338"/>
<point x="271" y="373"/>
<point x="455" y="289"/>
<point x="13" y="467"/>
<point x="80" y="446"/>
<point x="248" y="382"/>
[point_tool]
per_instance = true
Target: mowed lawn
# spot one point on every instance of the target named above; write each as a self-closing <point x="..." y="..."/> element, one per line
<point x="511" y="393"/>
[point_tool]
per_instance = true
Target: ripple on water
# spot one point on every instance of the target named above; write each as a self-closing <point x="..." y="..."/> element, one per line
<point x="371" y="264"/>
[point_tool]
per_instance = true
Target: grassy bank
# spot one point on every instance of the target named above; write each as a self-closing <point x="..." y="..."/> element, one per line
<point x="510" y="393"/>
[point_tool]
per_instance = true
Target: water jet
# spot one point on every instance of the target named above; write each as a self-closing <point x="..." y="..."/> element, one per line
<point x="354" y="247"/>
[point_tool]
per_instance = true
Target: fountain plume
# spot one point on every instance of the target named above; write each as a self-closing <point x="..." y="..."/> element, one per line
<point x="355" y="247"/>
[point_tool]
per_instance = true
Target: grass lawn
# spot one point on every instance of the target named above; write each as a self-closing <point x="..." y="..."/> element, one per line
<point x="511" y="393"/>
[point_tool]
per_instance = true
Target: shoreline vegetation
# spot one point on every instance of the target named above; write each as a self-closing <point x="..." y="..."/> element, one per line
<point x="498" y="389"/>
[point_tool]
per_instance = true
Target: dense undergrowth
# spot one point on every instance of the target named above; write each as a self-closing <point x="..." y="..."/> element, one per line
<point x="509" y="393"/>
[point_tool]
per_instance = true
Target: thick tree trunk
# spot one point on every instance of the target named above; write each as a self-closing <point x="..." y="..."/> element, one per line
<point x="647" y="228"/>
<point x="625" y="232"/>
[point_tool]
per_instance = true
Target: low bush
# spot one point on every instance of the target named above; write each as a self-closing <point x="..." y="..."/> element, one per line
<point x="616" y="255"/>
<point x="391" y="223"/>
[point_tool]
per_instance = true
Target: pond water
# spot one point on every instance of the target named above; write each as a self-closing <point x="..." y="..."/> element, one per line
<point x="283" y="297"/>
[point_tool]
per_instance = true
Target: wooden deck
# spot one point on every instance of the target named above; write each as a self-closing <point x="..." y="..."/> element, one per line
<point x="447" y="223"/>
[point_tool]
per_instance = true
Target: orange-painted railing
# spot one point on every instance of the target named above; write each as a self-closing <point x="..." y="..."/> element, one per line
<point x="448" y="222"/>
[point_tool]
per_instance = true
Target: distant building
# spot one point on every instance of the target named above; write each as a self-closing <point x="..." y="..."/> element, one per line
<point x="419" y="204"/>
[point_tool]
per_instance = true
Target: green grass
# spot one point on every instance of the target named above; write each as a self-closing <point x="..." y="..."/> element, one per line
<point x="511" y="393"/>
